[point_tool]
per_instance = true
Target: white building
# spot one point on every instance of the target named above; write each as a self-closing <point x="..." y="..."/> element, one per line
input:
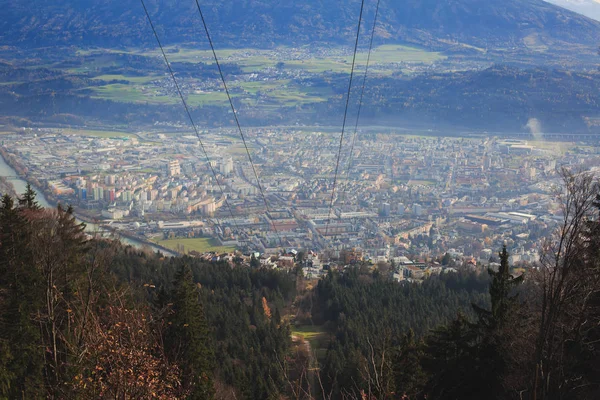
<point x="174" y="168"/>
<point x="417" y="210"/>
<point x="226" y="167"/>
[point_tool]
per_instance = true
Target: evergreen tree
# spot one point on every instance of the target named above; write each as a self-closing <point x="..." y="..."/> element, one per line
<point x="21" y="288"/>
<point x="446" y="260"/>
<point x="188" y="339"/>
<point x="477" y="350"/>
<point x="409" y="377"/>
<point x="500" y="289"/>
<point x="254" y="262"/>
<point x="492" y="325"/>
<point x="28" y="200"/>
<point x="451" y="360"/>
<point x="59" y="251"/>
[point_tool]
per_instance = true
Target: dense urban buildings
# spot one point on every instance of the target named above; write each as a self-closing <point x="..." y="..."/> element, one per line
<point x="397" y="196"/>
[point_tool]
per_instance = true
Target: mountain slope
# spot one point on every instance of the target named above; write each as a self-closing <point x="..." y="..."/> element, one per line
<point x="264" y="23"/>
<point x="589" y="8"/>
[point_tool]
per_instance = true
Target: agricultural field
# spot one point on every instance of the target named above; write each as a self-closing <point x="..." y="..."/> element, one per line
<point x="129" y="94"/>
<point x="265" y="80"/>
<point x="335" y="59"/>
<point x="98" y="133"/>
<point x="131" y="79"/>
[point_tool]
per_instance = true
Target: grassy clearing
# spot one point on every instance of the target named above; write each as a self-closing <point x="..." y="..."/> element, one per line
<point x="535" y="43"/>
<point x="138" y="94"/>
<point x="102" y="59"/>
<point x="267" y="86"/>
<point x="239" y="150"/>
<point x="293" y="98"/>
<point x="205" y="99"/>
<point x="382" y="55"/>
<point x="132" y="79"/>
<point x="315" y="335"/>
<point x="96" y="133"/>
<point x="421" y="182"/>
<point x="251" y="60"/>
<point x="256" y="63"/>
<point x="201" y="245"/>
<point x="186" y="54"/>
<point x="387" y="54"/>
<point x="130" y="94"/>
<point x="282" y="93"/>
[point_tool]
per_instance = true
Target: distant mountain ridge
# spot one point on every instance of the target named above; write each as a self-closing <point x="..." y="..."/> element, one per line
<point x="265" y="23"/>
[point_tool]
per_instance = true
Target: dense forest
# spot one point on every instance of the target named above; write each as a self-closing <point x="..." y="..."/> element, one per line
<point x="84" y="318"/>
<point x="93" y="319"/>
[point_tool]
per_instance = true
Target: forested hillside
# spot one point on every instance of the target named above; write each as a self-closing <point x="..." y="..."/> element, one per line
<point x="83" y="318"/>
<point x="499" y="98"/>
<point x="93" y="319"/>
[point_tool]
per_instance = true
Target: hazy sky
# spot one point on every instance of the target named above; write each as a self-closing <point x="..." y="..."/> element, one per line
<point x="589" y="8"/>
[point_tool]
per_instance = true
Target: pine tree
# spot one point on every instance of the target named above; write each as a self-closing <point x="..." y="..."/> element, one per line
<point x="20" y="285"/>
<point x="492" y="324"/>
<point x="254" y="262"/>
<point x="60" y="246"/>
<point x="502" y="285"/>
<point x="500" y="293"/>
<point x="28" y="200"/>
<point x="409" y="377"/>
<point x="446" y="260"/>
<point x="452" y="362"/>
<point x="468" y="360"/>
<point x="188" y="338"/>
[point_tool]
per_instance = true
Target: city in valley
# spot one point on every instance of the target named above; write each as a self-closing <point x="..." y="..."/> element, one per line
<point x="420" y="203"/>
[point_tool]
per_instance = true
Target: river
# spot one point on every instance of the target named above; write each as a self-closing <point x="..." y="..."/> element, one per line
<point x="20" y="187"/>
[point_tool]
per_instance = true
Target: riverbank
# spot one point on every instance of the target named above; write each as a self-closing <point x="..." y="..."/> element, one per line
<point x="15" y="174"/>
<point x="164" y="250"/>
<point x="18" y="179"/>
<point x="94" y="226"/>
<point x="6" y="187"/>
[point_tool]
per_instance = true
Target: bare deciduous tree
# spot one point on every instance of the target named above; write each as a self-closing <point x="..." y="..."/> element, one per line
<point x="568" y="280"/>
